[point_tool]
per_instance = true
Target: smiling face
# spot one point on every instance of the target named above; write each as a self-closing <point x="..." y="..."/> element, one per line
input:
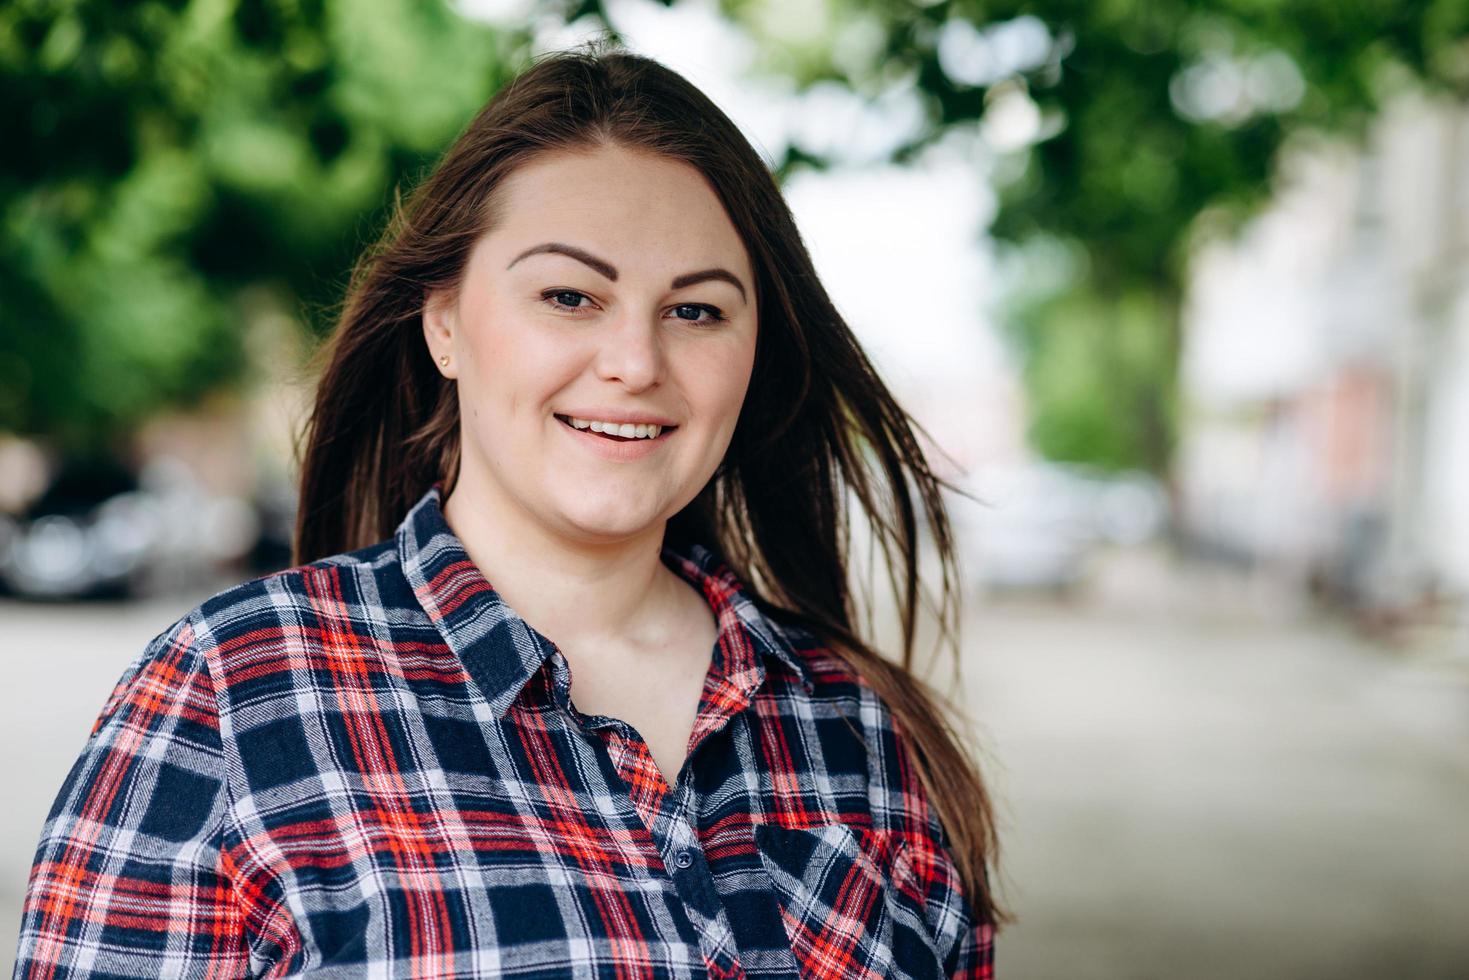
<point x="613" y="289"/>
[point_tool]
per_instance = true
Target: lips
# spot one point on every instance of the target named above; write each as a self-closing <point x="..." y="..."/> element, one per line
<point x="566" y="421"/>
<point x="616" y="449"/>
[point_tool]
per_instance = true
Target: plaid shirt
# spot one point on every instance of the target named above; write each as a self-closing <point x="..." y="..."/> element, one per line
<point x="371" y="766"/>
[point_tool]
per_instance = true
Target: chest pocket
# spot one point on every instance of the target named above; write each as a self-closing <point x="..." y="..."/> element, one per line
<point x="833" y="893"/>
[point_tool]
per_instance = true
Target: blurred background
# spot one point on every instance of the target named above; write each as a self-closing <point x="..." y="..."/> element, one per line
<point x="1179" y="292"/>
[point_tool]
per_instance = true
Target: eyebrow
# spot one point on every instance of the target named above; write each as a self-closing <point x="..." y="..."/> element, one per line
<point x="609" y="271"/>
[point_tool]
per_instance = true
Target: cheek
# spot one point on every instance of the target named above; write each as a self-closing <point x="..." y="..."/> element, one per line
<point x="517" y="368"/>
<point x="720" y="382"/>
<point x="491" y="339"/>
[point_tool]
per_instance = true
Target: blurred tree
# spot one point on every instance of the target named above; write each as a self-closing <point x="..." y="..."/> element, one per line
<point x="1116" y="125"/>
<point x="163" y="159"/>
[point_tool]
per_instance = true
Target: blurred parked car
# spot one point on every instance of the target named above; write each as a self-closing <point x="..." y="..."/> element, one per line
<point x="1038" y="522"/>
<point x="100" y="531"/>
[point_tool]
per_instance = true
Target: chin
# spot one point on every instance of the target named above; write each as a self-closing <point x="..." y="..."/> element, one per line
<point x="612" y="522"/>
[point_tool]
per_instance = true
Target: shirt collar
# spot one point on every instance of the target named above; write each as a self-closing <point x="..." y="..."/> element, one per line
<point x="501" y="651"/>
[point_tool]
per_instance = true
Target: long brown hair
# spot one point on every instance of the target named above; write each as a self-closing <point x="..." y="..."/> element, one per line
<point x="818" y="425"/>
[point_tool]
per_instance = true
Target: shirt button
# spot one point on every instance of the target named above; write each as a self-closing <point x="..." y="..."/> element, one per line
<point x="684" y="859"/>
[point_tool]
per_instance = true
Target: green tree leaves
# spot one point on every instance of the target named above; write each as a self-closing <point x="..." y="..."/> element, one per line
<point x="163" y="157"/>
<point x="1143" y="114"/>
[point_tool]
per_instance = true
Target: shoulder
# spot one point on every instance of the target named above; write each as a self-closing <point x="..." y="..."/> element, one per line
<point x="863" y="691"/>
<point x="294" y="611"/>
<point x="279" y="593"/>
<point x="833" y="673"/>
<point x="884" y="702"/>
<point x="890" y="697"/>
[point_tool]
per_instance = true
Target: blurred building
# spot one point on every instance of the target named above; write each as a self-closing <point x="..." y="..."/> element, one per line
<point x="1326" y="376"/>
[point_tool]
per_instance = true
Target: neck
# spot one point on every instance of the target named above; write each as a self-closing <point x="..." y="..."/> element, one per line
<point x="573" y="590"/>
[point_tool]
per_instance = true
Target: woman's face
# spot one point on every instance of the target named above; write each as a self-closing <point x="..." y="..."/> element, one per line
<point x="613" y="289"/>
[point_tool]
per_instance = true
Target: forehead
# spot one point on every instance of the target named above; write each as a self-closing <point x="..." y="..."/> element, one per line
<point x="635" y="202"/>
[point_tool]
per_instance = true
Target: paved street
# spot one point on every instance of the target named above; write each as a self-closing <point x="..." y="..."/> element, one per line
<point x="1195" y="784"/>
<point x="1202" y="785"/>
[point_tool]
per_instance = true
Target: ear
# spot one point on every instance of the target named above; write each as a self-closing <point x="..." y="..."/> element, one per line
<point x="440" y="323"/>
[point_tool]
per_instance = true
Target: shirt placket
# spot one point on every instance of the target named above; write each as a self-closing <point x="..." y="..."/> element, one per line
<point x="670" y="812"/>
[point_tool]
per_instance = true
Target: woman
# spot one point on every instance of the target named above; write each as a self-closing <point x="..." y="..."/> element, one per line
<point x="589" y="362"/>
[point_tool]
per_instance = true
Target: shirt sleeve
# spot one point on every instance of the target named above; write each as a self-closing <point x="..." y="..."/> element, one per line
<point x="128" y="879"/>
<point x="974" y="955"/>
<point x="924" y="871"/>
<point x="967" y="942"/>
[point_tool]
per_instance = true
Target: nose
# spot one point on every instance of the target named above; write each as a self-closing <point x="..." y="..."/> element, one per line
<point x="631" y="353"/>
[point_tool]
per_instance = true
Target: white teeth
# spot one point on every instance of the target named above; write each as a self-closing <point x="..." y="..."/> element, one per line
<point x="626" y="430"/>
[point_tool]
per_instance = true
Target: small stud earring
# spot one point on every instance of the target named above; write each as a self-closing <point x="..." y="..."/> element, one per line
<point x="444" y="361"/>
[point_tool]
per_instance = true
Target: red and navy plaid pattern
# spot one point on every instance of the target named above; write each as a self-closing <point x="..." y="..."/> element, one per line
<point x="370" y="766"/>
